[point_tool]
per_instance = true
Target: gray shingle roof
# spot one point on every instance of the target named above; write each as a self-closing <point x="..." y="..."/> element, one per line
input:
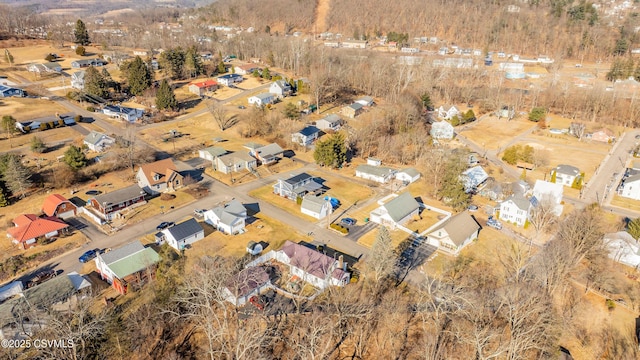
<point x="121" y="252"/>
<point x="272" y="149"/>
<point x="118" y="196"/>
<point x="521" y="202"/>
<point x="401" y="206"/>
<point x="459" y="227"/>
<point x="567" y="169"/>
<point x="410" y="171"/>
<point x="215" y="151"/>
<point x="356" y="106"/>
<point x="93" y="137"/>
<point x="332" y="118"/>
<point x="313" y="203"/>
<point x="298" y="178"/>
<point x="374" y="170"/>
<point x="184" y="229"/>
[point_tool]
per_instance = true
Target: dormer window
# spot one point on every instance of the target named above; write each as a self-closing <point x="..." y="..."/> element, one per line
<point x="156" y="177"/>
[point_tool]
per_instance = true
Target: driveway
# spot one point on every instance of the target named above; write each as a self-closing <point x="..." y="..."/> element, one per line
<point x="358" y="231"/>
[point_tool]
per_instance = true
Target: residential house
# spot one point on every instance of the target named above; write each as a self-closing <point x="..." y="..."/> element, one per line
<point x="296" y="186"/>
<point x="128" y="266"/>
<point x="280" y="88"/>
<point x="98" y="142"/>
<point x="229" y="218"/>
<point x="229" y="79"/>
<point x="623" y="248"/>
<point x="247" y="283"/>
<point x="247" y="69"/>
<point x="408" y="175"/>
<point x="354" y="44"/>
<point x="87" y="62"/>
<point x="142" y="52"/>
<point x="123" y="113"/>
<point x="234" y="162"/>
<point x="107" y="207"/>
<point x="77" y="80"/>
<point x="380" y="174"/>
<point x="159" y="176"/>
<point x="56" y="205"/>
<point x="447" y="112"/>
<point x="306" y="136"/>
<point x="442" y="130"/>
<point x="267" y="154"/>
<point x="455" y="233"/>
<point x="329" y="122"/>
<point x="312" y="266"/>
<point x="29" y="228"/>
<point x="202" y="87"/>
<point x="566" y="175"/>
<point x="396" y="212"/>
<point x="473" y="178"/>
<point x="365" y="101"/>
<point x="211" y="153"/>
<point x="548" y="192"/>
<point x="50" y="67"/>
<point x="515" y="209"/>
<point x="352" y="110"/>
<point x="181" y="235"/>
<point x="630" y="187"/>
<point x="263" y="99"/>
<point x="10" y="290"/>
<point x="317" y="207"/>
<point x="7" y="91"/>
<point x="603" y="135"/>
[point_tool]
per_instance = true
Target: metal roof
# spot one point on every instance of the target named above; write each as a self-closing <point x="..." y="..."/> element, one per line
<point x="184" y="229"/>
<point x="401" y="206"/>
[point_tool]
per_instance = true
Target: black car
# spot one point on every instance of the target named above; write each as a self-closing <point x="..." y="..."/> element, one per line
<point x="165" y="224"/>
<point x="93" y="192"/>
<point x="88" y="255"/>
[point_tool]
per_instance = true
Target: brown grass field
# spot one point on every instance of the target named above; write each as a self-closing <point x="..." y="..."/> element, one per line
<point x="23" y="109"/>
<point x="493" y="134"/>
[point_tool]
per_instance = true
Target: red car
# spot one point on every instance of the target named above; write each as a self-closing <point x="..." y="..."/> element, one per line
<point x="257" y="302"/>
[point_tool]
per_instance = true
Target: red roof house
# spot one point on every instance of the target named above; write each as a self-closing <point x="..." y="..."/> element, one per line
<point x="29" y="228"/>
<point x="58" y="206"/>
<point x="200" y="88"/>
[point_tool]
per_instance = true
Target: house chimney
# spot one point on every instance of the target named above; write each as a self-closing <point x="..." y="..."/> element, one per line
<point x="340" y="261"/>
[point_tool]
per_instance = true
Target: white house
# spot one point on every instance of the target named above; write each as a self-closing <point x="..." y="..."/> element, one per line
<point x="228" y="218"/>
<point x="515" y="209"/>
<point x="447" y="112"/>
<point x="473" y="178"/>
<point x="442" y="130"/>
<point x="408" y="175"/>
<point x="551" y="192"/>
<point x="623" y="248"/>
<point x="306" y="136"/>
<point x="365" y="101"/>
<point x="229" y="79"/>
<point x="280" y="88"/>
<point x="234" y="162"/>
<point x="630" y="187"/>
<point x="98" y="142"/>
<point x="315" y="206"/>
<point x="77" y="80"/>
<point x="181" y="235"/>
<point x="296" y="186"/>
<point x="396" y="212"/>
<point x="565" y="174"/>
<point x="211" y="153"/>
<point x="329" y="122"/>
<point x="312" y="266"/>
<point x="262" y="99"/>
<point x="124" y="113"/>
<point x="455" y="233"/>
<point x="379" y="174"/>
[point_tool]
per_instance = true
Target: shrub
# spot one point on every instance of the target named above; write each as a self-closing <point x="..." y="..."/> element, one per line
<point x="80" y="50"/>
<point x="340" y="228"/>
<point x="50" y="57"/>
<point x="91" y="109"/>
<point x="610" y="304"/>
<point x="77" y="118"/>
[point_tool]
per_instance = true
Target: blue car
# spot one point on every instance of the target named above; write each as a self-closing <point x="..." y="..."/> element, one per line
<point x="88" y="255"/>
<point x="348" y="222"/>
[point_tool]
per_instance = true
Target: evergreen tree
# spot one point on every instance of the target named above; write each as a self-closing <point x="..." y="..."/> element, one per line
<point x="616" y="71"/>
<point x="266" y="74"/>
<point x="138" y="76"/>
<point x="193" y="63"/>
<point x="537" y="114"/>
<point x="172" y="62"/>
<point x="452" y="191"/>
<point x="16" y="176"/>
<point x="291" y="111"/>
<point x="165" y="97"/>
<point x="75" y="158"/>
<point x="426" y="101"/>
<point x="81" y="34"/>
<point x="3" y="198"/>
<point x="221" y="68"/>
<point x="331" y="152"/>
<point x="80" y="50"/>
<point x="9" y="127"/>
<point x="94" y="83"/>
<point x="37" y="146"/>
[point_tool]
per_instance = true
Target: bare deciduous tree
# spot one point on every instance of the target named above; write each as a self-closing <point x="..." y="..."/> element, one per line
<point x="221" y="116"/>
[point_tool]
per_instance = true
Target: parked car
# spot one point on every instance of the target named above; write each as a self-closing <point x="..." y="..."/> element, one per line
<point x="347" y="222"/>
<point x="472" y="208"/>
<point x="257" y="302"/>
<point x="165" y="224"/>
<point x="93" y="192"/>
<point x="493" y="223"/>
<point x="198" y="212"/>
<point x="88" y="255"/>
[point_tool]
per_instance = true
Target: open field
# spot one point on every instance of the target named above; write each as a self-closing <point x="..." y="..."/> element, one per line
<point x="23" y="109"/>
<point x="349" y="193"/>
<point x="626" y="203"/>
<point x="491" y="133"/>
<point x="266" y="193"/>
